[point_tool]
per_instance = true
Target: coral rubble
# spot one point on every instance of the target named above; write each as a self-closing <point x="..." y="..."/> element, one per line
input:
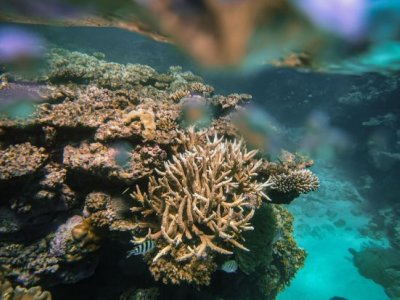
<point x="113" y="153"/>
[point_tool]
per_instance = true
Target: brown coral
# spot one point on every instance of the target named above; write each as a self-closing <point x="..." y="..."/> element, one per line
<point x="202" y="88"/>
<point x="7" y="292"/>
<point x="203" y="200"/>
<point x="21" y="159"/>
<point x="102" y="161"/>
<point x="147" y="119"/>
<point x="232" y="100"/>
<point x="178" y="95"/>
<point x="195" y="270"/>
<point x="106" y="213"/>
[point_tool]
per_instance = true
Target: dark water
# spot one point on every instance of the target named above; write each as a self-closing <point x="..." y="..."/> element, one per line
<point x="350" y="126"/>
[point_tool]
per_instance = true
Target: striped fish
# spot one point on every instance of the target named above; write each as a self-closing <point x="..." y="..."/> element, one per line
<point x="142" y="248"/>
<point x="230" y="266"/>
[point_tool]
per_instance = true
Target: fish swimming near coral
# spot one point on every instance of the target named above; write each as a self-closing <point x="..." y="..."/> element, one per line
<point x="142" y="248"/>
<point x="230" y="266"/>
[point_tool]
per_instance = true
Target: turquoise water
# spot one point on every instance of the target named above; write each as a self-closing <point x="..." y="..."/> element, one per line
<point x="329" y="269"/>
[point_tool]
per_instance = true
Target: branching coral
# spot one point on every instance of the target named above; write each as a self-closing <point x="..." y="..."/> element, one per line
<point x="203" y="200"/>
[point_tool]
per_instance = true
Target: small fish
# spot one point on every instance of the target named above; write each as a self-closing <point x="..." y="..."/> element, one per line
<point x="230" y="266"/>
<point x="142" y="248"/>
<point x="337" y="298"/>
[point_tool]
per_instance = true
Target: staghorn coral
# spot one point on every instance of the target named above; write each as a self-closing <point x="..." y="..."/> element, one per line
<point x="203" y="200"/>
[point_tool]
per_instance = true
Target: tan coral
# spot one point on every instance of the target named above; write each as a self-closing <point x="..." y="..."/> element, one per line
<point x="179" y="94"/>
<point x="203" y="200"/>
<point x="7" y="292"/>
<point x="96" y="201"/>
<point x="147" y="119"/>
<point x="232" y="100"/>
<point x="298" y="181"/>
<point x="197" y="271"/>
<point x="199" y="87"/>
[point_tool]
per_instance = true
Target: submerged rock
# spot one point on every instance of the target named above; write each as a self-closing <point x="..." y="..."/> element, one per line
<point x="382" y="266"/>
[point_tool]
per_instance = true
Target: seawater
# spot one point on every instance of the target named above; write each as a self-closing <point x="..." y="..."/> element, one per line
<point x="309" y="112"/>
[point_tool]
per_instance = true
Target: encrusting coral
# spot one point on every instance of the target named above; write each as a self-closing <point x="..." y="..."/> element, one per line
<point x="8" y="292"/>
<point x="147" y="119"/>
<point x="20" y="159"/>
<point x="203" y="201"/>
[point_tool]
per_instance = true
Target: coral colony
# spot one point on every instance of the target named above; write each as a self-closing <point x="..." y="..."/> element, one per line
<point x="189" y="197"/>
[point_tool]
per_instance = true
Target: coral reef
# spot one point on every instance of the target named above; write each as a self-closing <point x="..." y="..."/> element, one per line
<point x="102" y="132"/>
